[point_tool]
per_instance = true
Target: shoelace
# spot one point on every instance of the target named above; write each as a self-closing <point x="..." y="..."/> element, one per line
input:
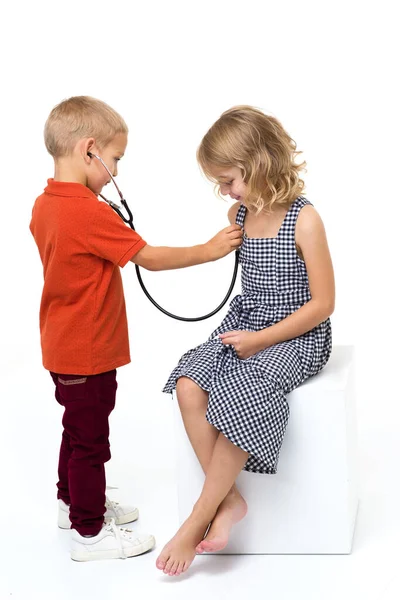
<point x="116" y="532"/>
<point x="112" y="505"/>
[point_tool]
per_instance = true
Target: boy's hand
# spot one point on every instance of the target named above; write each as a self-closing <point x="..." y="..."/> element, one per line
<point x="228" y="239"/>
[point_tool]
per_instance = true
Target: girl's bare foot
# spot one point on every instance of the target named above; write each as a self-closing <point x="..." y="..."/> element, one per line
<point x="177" y="556"/>
<point x="230" y="511"/>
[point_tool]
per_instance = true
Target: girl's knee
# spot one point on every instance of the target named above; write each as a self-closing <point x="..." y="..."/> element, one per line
<point x="190" y="394"/>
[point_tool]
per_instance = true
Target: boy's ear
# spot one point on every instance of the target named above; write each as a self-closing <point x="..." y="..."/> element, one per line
<point x="89" y="147"/>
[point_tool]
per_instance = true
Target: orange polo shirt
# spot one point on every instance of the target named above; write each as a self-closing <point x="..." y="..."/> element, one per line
<point x="82" y="243"/>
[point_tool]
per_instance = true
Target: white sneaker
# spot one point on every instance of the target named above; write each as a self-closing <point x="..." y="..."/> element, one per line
<point x="120" y="514"/>
<point x="110" y="542"/>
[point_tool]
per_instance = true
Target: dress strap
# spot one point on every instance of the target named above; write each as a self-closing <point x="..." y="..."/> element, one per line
<point x="240" y="215"/>
<point x="289" y="223"/>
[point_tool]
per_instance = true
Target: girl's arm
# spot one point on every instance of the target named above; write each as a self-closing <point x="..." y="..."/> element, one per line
<point x="312" y="243"/>
<point x="232" y="212"/>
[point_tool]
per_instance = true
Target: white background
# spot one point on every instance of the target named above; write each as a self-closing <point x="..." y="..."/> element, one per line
<point x="328" y="71"/>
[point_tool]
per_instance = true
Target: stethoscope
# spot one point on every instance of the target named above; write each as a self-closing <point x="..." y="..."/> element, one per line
<point x="129" y="220"/>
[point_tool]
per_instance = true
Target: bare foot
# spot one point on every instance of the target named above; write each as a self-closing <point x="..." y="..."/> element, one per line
<point x="177" y="556"/>
<point x="230" y="511"/>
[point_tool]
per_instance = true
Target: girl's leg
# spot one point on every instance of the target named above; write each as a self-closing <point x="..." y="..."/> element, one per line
<point x="193" y="402"/>
<point x="226" y="463"/>
<point x="193" y="405"/>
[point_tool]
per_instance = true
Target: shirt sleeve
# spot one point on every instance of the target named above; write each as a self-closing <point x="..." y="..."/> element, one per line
<point x="110" y="238"/>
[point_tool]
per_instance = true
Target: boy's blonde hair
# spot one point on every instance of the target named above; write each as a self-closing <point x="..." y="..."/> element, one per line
<point x="81" y="117"/>
<point x="257" y="144"/>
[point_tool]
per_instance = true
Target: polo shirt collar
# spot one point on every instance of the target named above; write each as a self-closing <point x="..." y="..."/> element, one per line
<point x="68" y="188"/>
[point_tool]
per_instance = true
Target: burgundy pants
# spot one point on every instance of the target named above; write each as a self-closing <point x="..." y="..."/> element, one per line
<point x="88" y="402"/>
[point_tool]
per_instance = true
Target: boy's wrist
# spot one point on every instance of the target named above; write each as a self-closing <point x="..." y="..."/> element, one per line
<point x="206" y="251"/>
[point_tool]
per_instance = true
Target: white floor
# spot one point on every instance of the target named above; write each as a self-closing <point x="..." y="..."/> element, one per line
<point x="34" y="558"/>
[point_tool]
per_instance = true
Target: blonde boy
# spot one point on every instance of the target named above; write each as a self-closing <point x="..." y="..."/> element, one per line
<point x="84" y="337"/>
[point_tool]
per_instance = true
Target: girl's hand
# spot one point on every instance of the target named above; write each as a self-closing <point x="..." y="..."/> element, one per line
<point x="246" y="343"/>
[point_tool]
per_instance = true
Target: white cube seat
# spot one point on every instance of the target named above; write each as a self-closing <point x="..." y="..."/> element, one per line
<point x="310" y="505"/>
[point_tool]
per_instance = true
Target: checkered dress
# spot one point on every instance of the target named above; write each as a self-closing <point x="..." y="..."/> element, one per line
<point x="247" y="398"/>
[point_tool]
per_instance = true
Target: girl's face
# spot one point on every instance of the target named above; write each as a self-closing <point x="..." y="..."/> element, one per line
<point x="230" y="182"/>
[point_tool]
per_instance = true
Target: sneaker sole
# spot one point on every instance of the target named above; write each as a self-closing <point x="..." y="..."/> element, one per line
<point x="65" y="523"/>
<point x="105" y="554"/>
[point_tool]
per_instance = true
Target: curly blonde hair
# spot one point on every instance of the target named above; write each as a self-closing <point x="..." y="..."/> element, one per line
<point x="258" y="145"/>
<point x="81" y="117"/>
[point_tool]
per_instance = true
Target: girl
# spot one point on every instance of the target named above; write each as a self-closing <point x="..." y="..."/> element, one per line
<point x="232" y="389"/>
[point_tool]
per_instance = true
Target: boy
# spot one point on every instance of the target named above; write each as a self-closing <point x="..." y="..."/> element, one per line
<point x="82" y="244"/>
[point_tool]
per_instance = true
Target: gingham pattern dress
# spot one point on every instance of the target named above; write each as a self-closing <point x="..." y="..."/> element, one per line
<point x="247" y="398"/>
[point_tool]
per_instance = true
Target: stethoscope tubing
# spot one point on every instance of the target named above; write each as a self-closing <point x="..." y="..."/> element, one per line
<point x="129" y="221"/>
